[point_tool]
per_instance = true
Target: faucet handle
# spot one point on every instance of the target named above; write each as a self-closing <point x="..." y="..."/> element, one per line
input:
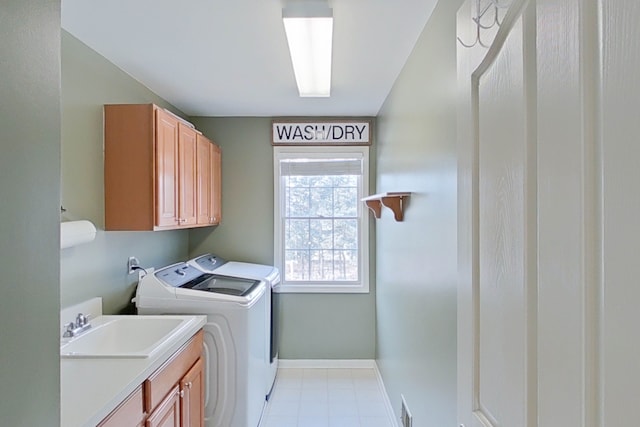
<point x="69" y="330"/>
<point x="82" y="319"/>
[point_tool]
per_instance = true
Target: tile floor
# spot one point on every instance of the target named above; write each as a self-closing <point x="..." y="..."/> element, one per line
<point x="335" y="397"/>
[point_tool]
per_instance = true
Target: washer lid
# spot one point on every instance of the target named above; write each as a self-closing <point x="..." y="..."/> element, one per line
<point x="223" y="285"/>
<point x="252" y="271"/>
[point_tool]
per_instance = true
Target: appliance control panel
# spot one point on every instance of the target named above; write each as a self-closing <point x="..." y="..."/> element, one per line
<point x="209" y="262"/>
<point x="178" y="274"/>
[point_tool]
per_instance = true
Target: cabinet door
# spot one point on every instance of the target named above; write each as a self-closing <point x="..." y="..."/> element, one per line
<point x="192" y="387"/>
<point x="166" y="190"/>
<point x="216" y="184"/>
<point x="167" y="414"/>
<point x="203" y="187"/>
<point x="187" y="175"/>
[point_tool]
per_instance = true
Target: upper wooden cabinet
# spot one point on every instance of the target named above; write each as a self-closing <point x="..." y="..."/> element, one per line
<point x="209" y="176"/>
<point x="156" y="167"/>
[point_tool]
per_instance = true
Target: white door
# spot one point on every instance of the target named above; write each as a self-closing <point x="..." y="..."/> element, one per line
<point x="549" y="207"/>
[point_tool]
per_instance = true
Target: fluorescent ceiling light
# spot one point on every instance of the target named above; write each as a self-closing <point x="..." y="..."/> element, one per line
<point x="309" y="29"/>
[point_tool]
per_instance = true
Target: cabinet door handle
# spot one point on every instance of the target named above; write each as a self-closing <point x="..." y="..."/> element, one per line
<point x="181" y="393"/>
<point x="189" y="384"/>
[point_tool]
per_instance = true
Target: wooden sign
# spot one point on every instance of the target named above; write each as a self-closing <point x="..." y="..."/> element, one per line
<point x="333" y="132"/>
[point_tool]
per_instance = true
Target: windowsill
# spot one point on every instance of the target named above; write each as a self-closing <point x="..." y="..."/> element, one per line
<point x="321" y="289"/>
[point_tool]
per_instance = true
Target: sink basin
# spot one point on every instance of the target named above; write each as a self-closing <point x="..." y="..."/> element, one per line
<point x="124" y="336"/>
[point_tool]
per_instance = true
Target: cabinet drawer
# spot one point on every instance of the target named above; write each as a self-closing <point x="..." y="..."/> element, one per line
<point x="160" y="383"/>
<point x="129" y="413"/>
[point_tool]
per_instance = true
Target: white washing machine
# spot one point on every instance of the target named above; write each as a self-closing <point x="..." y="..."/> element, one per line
<point x="234" y="335"/>
<point x="209" y="263"/>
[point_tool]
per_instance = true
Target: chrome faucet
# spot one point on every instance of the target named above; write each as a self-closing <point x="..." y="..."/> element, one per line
<point x="74" y="329"/>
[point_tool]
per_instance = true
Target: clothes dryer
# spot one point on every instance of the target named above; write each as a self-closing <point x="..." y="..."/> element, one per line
<point x="214" y="264"/>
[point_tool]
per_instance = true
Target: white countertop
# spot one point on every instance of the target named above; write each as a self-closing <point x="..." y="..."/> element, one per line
<point x="90" y="388"/>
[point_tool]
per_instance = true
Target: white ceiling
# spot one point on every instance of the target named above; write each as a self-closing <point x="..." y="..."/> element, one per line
<point x="230" y="58"/>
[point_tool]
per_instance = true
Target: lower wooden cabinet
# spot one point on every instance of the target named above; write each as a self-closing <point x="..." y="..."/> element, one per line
<point x="173" y="396"/>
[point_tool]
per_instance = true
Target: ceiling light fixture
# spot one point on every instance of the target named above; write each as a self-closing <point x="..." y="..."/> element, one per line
<point x="309" y="29"/>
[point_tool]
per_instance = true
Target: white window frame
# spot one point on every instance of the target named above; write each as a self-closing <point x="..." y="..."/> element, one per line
<point x="362" y="285"/>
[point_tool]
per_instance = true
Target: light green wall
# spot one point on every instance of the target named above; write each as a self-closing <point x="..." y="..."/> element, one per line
<point x="246" y="230"/>
<point x="417" y="259"/>
<point x="99" y="268"/>
<point x="29" y="212"/>
<point x="314" y="326"/>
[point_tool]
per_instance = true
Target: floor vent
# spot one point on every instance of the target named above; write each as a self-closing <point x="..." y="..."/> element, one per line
<point x="405" y="416"/>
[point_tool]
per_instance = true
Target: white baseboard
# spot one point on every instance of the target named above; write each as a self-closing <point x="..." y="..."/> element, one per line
<point x="385" y="396"/>
<point x="343" y="364"/>
<point x="326" y="363"/>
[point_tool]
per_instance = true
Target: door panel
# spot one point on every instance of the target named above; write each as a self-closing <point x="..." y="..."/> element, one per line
<point x="187" y="168"/>
<point x="167" y="169"/>
<point x="620" y="153"/>
<point x="216" y="184"/>
<point x="565" y="213"/>
<point x="192" y="384"/>
<point x="498" y="300"/>
<point x="167" y="414"/>
<point x="500" y="296"/>
<point x="203" y="188"/>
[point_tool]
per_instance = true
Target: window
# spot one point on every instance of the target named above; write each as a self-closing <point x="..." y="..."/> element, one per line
<point x="321" y="228"/>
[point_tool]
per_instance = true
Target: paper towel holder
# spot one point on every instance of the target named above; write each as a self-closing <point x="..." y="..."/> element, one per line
<point x="73" y="233"/>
